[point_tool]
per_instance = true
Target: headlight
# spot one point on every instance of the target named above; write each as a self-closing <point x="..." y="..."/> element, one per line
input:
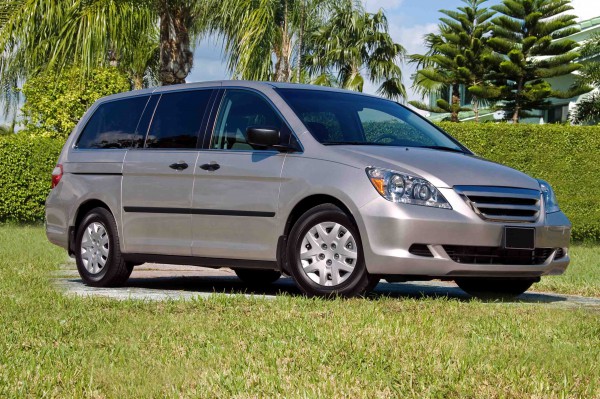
<point x="550" y="202"/>
<point x="401" y="187"/>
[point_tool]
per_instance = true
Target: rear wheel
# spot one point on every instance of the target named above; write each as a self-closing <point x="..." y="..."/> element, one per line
<point x="258" y="277"/>
<point x="490" y="288"/>
<point x="325" y="254"/>
<point x="98" y="252"/>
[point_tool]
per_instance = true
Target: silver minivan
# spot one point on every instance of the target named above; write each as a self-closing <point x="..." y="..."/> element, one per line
<point x="334" y="188"/>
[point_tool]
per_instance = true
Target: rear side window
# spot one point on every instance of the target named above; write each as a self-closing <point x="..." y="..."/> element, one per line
<point x="113" y="125"/>
<point x="178" y="119"/>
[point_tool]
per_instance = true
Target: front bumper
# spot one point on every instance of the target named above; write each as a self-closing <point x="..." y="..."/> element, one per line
<point x="389" y="229"/>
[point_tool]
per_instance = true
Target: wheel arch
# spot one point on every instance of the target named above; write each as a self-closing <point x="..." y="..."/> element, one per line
<point x="297" y="211"/>
<point x="79" y="214"/>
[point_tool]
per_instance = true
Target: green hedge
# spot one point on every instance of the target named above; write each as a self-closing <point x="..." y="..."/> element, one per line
<point x="566" y="156"/>
<point x="26" y="165"/>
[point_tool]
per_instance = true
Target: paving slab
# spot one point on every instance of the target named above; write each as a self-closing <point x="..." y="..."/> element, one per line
<point x="158" y="282"/>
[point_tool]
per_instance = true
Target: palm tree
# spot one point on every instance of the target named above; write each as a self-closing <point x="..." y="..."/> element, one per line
<point x="456" y="56"/>
<point x="260" y="37"/>
<point x="589" y="75"/>
<point x="135" y="35"/>
<point x="353" y="45"/>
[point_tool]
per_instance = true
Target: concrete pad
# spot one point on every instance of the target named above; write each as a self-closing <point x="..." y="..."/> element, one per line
<point x="164" y="282"/>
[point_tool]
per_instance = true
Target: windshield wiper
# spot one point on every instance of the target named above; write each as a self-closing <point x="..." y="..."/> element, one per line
<point x="442" y="148"/>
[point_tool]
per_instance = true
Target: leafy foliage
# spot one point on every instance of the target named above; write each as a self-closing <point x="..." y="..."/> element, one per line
<point x="353" y="45"/>
<point x="455" y="56"/>
<point x="589" y="75"/>
<point x="54" y="103"/>
<point x="587" y="110"/>
<point x="317" y="41"/>
<point x="565" y="156"/>
<point x="530" y="42"/>
<point x="40" y="35"/>
<point x="26" y="163"/>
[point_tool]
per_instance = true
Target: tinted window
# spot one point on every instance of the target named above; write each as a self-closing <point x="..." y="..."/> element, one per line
<point x="335" y="118"/>
<point x="140" y="135"/>
<point x="238" y="111"/>
<point x="113" y="125"/>
<point x="177" y="119"/>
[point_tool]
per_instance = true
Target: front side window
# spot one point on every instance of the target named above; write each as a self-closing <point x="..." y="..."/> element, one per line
<point x="240" y="110"/>
<point x="177" y="119"/>
<point x="335" y="118"/>
<point x="113" y="125"/>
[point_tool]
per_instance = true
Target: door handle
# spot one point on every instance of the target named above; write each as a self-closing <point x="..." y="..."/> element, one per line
<point x="211" y="167"/>
<point x="181" y="165"/>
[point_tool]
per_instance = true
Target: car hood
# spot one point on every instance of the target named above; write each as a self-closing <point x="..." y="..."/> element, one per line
<point x="441" y="168"/>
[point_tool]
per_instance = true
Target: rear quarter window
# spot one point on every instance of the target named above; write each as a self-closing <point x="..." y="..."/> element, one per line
<point x="113" y="125"/>
<point x="178" y="119"/>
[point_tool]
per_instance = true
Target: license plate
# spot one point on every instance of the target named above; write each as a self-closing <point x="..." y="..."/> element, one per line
<point x="519" y="238"/>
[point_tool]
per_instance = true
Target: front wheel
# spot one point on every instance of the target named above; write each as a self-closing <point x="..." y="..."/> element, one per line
<point x="492" y="288"/>
<point x="325" y="254"/>
<point x="97" y="251"/>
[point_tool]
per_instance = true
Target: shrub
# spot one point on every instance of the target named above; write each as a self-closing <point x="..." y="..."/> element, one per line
<point x="565" y="156"/>
<point x="26" y="164"/>
<point x="568" y="157"/>
<point x="55" y="103"/>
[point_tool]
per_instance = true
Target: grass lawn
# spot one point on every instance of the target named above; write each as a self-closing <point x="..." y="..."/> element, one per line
<point x="57" y="346"/>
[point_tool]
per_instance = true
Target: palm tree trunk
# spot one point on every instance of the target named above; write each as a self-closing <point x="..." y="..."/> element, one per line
<point x="283" y="70"/>
<point x="300" y="42"/>
<point x="138" y="82"/>
<point x="176" y="57"/>
<point x="455" y="107"/>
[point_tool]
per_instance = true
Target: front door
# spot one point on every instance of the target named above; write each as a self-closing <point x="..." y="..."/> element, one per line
<point x="158" y="178"/>
<point x="236" y="189"/>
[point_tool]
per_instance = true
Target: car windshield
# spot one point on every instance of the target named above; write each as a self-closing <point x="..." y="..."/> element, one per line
<point x="335" y="118"/>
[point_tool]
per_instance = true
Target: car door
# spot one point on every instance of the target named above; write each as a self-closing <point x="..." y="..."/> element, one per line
<point x="236" y="186"/>
<point x="158" y="178"/>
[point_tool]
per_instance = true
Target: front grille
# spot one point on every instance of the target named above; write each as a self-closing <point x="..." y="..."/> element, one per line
<point x="503" y="204"/>
<point x="497" y="255"/>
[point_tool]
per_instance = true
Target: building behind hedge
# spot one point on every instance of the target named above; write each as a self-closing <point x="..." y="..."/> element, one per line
<point x="559" y="109"/>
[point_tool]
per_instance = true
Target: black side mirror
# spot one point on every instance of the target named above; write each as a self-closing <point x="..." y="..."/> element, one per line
<point x="263" y="136"/>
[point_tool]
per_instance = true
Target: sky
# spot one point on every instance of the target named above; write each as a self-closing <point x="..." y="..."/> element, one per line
<point x="409" y="21"/>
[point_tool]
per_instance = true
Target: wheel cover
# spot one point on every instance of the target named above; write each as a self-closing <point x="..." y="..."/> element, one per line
<point x="328" y="254"/>
<point x="95" y="247"/>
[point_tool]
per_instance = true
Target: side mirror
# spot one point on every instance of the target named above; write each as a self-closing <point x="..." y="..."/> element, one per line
<point x="263" y="136"/>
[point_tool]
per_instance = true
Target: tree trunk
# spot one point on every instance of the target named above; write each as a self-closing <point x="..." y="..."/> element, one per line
<point x="283" y="70"/>
<point x="300" y="43"/>
<point x="455" y="107"/>
<point x="476" y="108"/>
<point x="138" y="81"/>
<point x="517" y="110"/>
<point x="176" y="57"/>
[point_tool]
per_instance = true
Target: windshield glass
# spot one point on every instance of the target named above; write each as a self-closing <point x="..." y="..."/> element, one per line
<point x="349" y="119"/>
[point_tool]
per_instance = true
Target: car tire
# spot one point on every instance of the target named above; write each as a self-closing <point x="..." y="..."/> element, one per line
<point x="98" y="251"/>
<point x="495" y="288"/>
<point x="258" y="277"/>
<point x="336" y="267"/>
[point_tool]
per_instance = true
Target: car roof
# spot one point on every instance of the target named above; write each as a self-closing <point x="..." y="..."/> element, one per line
<point x="228" y="83"/>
